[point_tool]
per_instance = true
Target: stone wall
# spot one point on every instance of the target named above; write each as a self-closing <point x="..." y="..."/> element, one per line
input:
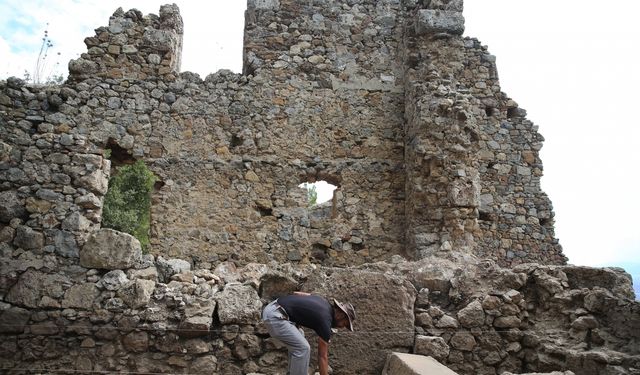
<point x="157" y="315"/>
<point x="438" y="187"/>
<point x="383" y="99"/>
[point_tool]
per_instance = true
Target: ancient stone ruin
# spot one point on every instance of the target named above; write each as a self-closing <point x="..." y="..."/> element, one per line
<point x="438" y="233"/>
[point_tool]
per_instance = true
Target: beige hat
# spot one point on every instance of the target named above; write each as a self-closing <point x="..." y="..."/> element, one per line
<point x="348" y="309"/>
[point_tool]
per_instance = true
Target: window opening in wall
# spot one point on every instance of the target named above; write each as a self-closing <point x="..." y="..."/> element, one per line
<point x="318" y="192"/>
<point x="127" y="204"/>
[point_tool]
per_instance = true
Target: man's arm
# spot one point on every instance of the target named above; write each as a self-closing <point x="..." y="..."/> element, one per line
<point x="323" y="356"/>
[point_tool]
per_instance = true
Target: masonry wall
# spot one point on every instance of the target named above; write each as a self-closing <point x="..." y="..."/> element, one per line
<point x="384" y="99"/>
<point x="428" y="156"/>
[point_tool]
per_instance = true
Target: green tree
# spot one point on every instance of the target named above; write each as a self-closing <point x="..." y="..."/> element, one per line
<point x="127" y="204"/>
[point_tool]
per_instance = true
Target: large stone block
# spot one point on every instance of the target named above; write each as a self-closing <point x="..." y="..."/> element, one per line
<point x="11" y="206"/>
<point x="430" y="21"/>
<point x="137" y="293"/>
<point x="13" y="319"/>
<point x="80" y="296"/>
<point x="238" y="304"/>
<point x="28" y="238"/>
<point x="198" y="317"/>
<point x="384" y="307"/>
<point x="412" y="364"/>
<point x="33" y="285"/>
<point x="111" y="250"/>
<point x="432" y="346"/>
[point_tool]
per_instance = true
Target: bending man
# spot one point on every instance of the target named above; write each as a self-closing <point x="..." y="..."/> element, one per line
<point x="284" y="314"/>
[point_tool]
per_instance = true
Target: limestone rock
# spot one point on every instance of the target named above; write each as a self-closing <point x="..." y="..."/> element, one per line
<point x="80" y="296"/>
<point x="198" y="318"/>
<point x="412" y="364"/>
<point x="137" y="293"/>
<point x="33" y="286"/>
<point x="11" y="206"/>
<point x="438" y="21"/>
<point x="238" y="304"/>
<point x="110" y="249"/>
<point x="169" y="267"/>
<point x="432" y="346"/>
<point x="113" y="280"/>
<point x="472" y="315"/>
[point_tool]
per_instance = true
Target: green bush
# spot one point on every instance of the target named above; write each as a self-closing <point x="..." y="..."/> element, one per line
<point x="127" y="204"/>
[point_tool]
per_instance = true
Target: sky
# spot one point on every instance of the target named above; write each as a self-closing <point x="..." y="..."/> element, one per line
<point x="572" y="64"/>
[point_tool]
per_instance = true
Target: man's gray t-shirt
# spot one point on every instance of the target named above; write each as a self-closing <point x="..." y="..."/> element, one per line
<point x="310" y="311"/>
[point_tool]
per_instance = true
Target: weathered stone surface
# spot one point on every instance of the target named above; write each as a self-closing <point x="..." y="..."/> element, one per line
<point x="431" y="346"/>
<point x="28" y="238"/>
<point x="412" y="364"/>
<point x="33" y="285"/>
<point x="110" y="249"/>
<point x="439" y="21"/>
<point x="169" y="267"/>
<point x="11" y="206"/>
<point x="238" y="304"/>
<point x="137" y="342"/>
<point x="463" y="341"/>
<point x="137" y="293"/>
<point x="472" y="315"/>
<point x="113" y="280"/>
<point x="80" y="296"/>
<point x="198" y="318"/>
<point x="13" y="319"/>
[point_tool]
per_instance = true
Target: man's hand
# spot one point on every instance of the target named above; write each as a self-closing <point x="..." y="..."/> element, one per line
<point x="323" y="357"/>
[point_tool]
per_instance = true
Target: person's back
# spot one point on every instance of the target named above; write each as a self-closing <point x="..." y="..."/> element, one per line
<point x="311" y="311"/>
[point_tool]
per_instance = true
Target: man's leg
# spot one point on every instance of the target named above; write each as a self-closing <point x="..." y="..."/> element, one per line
<point x="288" y="333"/>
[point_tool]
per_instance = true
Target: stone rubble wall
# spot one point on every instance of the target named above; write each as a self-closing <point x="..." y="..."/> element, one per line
<point x="427" y="155"/>
<point x="160" y="315"/>
<point x="385" y="100"/>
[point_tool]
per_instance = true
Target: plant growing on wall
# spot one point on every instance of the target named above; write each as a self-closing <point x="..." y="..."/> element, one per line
<point x="127" y="204"/>
<point x="312" y="193"/>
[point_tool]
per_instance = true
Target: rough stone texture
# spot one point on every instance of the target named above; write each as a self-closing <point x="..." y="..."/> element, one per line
<point x="438" y="231"/>
<point x="110" y="249"/>
<point x="411" y="364"/>
<point x="238" y="304"/>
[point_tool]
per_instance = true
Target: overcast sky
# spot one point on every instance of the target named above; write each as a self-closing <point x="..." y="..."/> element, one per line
<point x="572" y="64"/>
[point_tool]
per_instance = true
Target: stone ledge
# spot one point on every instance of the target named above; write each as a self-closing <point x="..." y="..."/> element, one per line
<point x="413" y="364"/>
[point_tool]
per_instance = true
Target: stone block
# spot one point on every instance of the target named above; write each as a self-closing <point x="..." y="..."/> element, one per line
<point x="472" y="315"/>
<point x="111" y="250"/>
<point x="264" y="4"/>
<point x="11" y="206"/>
<point x="137" y="293"/>
<point x="169" y="267"/>
<point x="412" y="364"/>
<point x="33" y="285"/>
<point x="430" y="21"/>
<point x="432" y="346"/>
<point x="80" y="296"/>
<point x="238" y="304"/>
<point x="28" y="238"/>
<point x="13" y="319"/>
<point x="385" y="316"/>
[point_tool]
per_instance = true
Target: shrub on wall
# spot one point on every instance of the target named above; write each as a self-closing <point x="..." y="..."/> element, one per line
<point x="128" y="201"/>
